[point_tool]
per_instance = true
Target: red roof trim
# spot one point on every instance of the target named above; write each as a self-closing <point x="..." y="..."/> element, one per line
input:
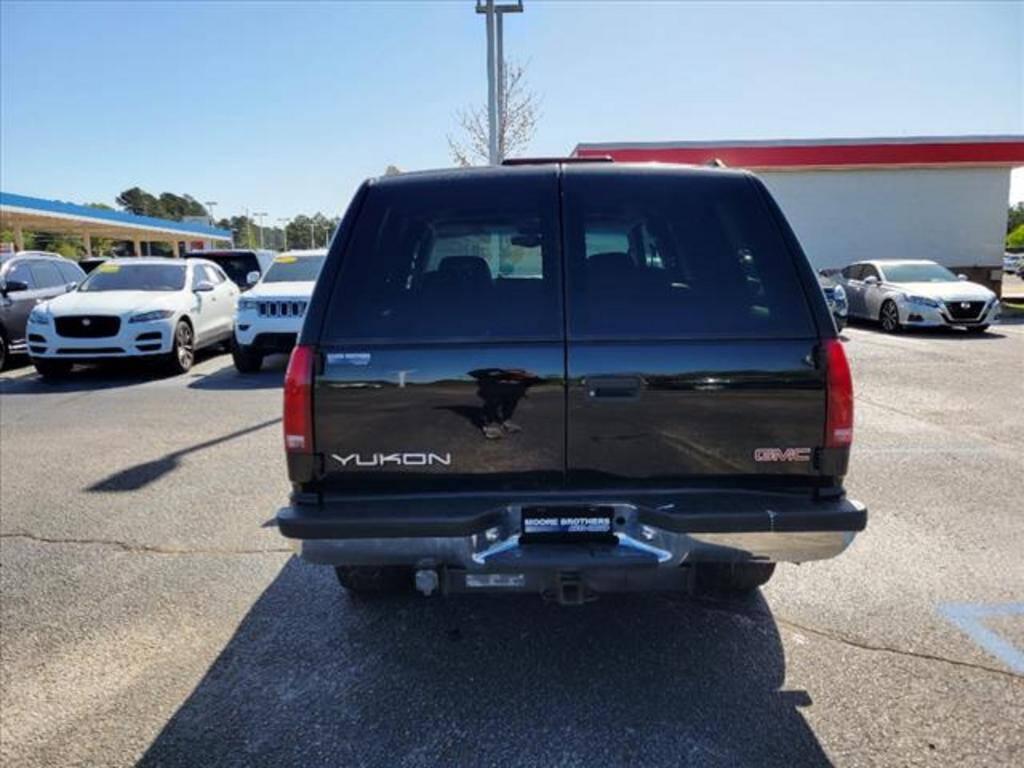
<point x="1003" y="153"/>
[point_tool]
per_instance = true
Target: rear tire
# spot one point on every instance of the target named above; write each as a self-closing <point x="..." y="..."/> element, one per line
<point x="247" y="360"/>
<point x="735" y="578"/>
<point x="889" y="316"/>
<point x="977" y="329"/>
<point x="52" y="370"/>
<point x="375" y="580"/>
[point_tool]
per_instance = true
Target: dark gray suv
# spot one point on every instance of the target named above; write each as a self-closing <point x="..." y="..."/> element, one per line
<point x="28" y="278"/>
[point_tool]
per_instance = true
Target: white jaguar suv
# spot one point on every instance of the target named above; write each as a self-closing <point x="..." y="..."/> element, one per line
<point x="270" y="315"/>
<point x="156" y="308"/>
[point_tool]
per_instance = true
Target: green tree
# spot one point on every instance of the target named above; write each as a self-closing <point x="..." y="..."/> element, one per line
<point x="1014" y="217"/>
<point x="1016" y="238"/>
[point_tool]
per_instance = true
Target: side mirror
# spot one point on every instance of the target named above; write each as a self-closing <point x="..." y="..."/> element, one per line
<point x="71" y="286"/>
<point x="252" y="278"/>
<point x="961" y="276"/>
<point x="870" y="280"/>
<point x="12" y="286"/>
<point x="203" y="286"/>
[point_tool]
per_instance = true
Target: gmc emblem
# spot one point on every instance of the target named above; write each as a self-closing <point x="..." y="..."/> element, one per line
<point x="782" y="454"/>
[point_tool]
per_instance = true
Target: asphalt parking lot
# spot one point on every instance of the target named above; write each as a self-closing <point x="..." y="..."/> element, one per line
<point x="150" y="616"/>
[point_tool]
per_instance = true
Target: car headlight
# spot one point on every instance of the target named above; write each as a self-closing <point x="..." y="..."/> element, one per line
<point x="156" y="314"/>
<point x="921" y="301"/>
<point x="39" y="316"/>
<point x="246" y="304"/>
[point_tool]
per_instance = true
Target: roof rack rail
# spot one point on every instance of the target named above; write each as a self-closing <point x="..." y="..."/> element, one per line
<point x="548" y="160"/>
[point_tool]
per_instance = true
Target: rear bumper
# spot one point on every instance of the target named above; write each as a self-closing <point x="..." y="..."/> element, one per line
<point x="660" y="529"/>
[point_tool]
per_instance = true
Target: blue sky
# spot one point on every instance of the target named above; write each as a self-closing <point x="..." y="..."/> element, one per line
<point x="286" y="107"/>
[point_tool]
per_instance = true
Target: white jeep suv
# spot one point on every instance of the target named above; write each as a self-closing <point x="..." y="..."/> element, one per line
<point x="270" y="315"/>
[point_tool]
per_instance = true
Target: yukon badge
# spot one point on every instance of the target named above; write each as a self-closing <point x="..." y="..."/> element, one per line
<point x="782" y="454"/>
<point x="394" y="459"/>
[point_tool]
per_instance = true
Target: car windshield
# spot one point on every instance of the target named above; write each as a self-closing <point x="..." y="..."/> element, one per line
<point x="286" y="269"/>
<point x="135" y="277"/>
<point x="917" y="273"/>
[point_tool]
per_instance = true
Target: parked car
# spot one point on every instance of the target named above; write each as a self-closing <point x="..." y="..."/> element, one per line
<point x="152" y="308"/>
<point x="27" y="278"/>
<point x="567" y="378"/>
<point x="835" y="296"/>
<point x="1012" y="262"/>
<point x="238" y="263"/>
<point x="917" y="294"/>
<point x="270" y="315"/>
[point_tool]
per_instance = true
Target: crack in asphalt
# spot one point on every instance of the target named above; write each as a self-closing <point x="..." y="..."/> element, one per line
<point x="142" y="548"/>
<point x="899" y="651"/>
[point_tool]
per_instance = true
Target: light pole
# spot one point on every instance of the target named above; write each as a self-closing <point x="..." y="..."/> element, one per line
<point x="496" y="73"/>
<point x="248" y="228"/>
<point x="312" y="238"/>
<point x="260" y="214"/>
<point x="209" y="209"/>
<point x="284" y="228"/>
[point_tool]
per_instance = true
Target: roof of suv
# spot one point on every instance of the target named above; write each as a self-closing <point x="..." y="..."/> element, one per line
<point x="525" y="169"/>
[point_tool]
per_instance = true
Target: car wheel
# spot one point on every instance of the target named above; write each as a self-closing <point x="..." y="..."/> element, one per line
<point x="889" y="316"/>
<point x="247" y="360"/>
<point x="375" y="580"/>
<point x="52" y="369"/>
<point x="736" y="578"/>
<point x="183" y="349"/>
<point x="979" y="329"/>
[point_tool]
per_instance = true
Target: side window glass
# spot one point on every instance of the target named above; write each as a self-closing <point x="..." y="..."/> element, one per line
<point x="71" y="273"/>
<point x="868" y="271"/>
<point x="22" y="273"/>
<point x="198" y="275"/>
<point x="46" y="275"/>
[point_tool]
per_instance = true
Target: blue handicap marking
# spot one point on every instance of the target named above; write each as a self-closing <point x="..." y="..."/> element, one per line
<point x="970" y="617"/>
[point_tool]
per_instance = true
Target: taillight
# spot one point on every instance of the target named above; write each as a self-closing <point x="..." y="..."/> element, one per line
<point x="839" y="396"/>
<point x="298" y="401"/>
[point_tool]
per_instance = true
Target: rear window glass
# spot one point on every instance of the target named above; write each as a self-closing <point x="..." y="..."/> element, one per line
<point x="471" y="257"/>
<point x="236" y="265"/>
<point x="665" y="255"/>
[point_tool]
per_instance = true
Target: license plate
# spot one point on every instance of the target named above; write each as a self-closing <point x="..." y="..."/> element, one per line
<point x="567" y="523"/>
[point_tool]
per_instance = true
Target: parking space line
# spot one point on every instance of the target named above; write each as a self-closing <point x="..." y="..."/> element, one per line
<point x="969" y="617"/>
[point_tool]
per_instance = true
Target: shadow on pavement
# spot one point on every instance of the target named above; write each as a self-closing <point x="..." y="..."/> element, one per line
<point x="313" y="677"/>
<point x="140" y="475"/>
<point x="110" y="374"/>
<point x="271" y="376"/>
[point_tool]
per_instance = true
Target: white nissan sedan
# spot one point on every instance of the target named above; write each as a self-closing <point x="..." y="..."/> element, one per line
<point x="917" y="293"/>
<point x="155" y="308"/>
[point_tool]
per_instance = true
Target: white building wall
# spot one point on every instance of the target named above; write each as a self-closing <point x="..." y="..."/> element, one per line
<point x="955" y="216"/>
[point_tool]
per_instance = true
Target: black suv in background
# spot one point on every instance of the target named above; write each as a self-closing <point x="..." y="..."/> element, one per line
<point x="567" y="378"/>
<point x="28" y="278"/>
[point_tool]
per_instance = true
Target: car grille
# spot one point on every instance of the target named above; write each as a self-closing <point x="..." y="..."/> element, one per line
<point x="87" y="326"/>
<point x="282" y="308"/>
<point x="964" y="310"/>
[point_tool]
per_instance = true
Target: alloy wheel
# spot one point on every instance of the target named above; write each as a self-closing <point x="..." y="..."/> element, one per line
<point x="183" y="346"/>
<point x="890" y="317"/>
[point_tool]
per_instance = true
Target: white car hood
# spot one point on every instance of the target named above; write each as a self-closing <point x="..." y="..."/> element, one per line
<point x="293" y="290"/>
<point x="951" y="291"/>
<point x="113" y="302"/>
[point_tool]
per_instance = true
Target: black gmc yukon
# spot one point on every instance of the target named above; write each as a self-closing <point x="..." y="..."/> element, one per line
<point x="567" y="378"/>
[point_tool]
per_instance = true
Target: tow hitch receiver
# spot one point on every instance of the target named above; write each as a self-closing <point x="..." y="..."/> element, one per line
<point x="570" y="589"/>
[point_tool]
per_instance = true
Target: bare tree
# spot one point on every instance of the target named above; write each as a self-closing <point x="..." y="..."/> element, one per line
<point x="519" y="113"/>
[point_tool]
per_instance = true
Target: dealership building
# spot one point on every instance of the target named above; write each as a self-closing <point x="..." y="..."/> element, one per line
<point x="939" y="198"/>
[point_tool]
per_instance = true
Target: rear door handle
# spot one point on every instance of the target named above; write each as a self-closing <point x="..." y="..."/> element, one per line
<point x="614" y="387"/>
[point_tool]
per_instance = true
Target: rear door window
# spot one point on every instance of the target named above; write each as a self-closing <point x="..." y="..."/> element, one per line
<point x="663" y="255"/>
<point x="475" y="257"/>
